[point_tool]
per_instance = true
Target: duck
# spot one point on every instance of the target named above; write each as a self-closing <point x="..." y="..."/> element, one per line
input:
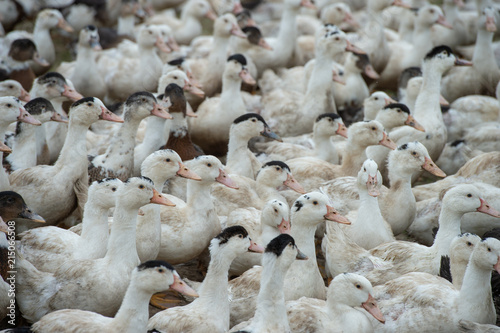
<point x="49" y="247"/>
<point x="325" y="127"/>
<point x="196" y="217"/>
<point x="12" y="207"/>
<point x="273" y="177"/>
<point x="420" y="292"/>
<point x="484" y="74"/>
<point x="117" y="265"/>
<point x="456" y="202"/>
<point x="25" y="143"/>
<point x="213" y="303"/>
<point x="308" y="211"/>
<point x="70" y="170"/>
<point x="347" y="292"/>
<point x="376" y="101"/>
<point x="280" y="253"/>
<point x="312" y="172"/>
<point x="146" y="279"/>
<point x="427" y="110"/>
<point x="14" y="88"/>
<point x="12" y="110"/>
<point x="179" y="137"/>
<point x="262" y="225"/>
<point x="368" y="220"/>
<point x="452" y="37"/>
<point x="118" y="160"/>
<point x="210" y="129"/>
<point x="240" y="160"/>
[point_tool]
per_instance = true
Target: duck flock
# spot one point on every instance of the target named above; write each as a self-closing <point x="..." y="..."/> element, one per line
<point x="326" y="167"/>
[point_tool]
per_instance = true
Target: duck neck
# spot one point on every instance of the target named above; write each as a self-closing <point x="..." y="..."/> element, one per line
<point x="304" y="237"/>
<point x="325" y="149"/>
<point x="450" y="11"/>
<point x="198" y="195"/>
<point x="428" y="98"/>
<point x="126" y="25"/>
<point x="288" y="32"/>
<point x="121" y="244"/>
<point x="369" y="211"/>
<point x="43" y="42"/>
<point x="95" y="227"/>
<point x="422" y="40"/>
<point x="178" y="127"/>
<point x="237" y="147"/>
<point x="74" y="150"/>
<point x="4" y="178"/>
<point x="267" y="232"/>
<point x="154" y="132"/>
<point x="133" y="315"/>
<point x="457" y="269"/>
<point x="475" y="295"/>
<point x="354" y="154"/>
<point x="230" y="89"/>
<point x="484" y="57"/>
<point x="449" y="228"/>
<point x="150" y="62"/>
<point x="24" y="147"/>
<point x="271" y="308"/>
<point x="319" y="90"/>
<point x="124" y="141"/>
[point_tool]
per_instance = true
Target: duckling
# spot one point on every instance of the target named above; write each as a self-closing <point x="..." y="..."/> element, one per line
<point x="213" y="303"/>
<point x="270" y="315"/>
<point x="101" y="295"/>
<point x="146" y="279"/>
<point x="63" y="185"/>
<point x="118" y="161"/>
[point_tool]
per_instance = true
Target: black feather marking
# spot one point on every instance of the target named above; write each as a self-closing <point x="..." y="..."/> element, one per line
<point x="401" y="106"/>
<point x="278" y="244"/>
<point x="283" y="165"/>
<point x="83" y="100"/>
<point x="51" y="75"/>
<point x="239" y="58"/>
<point x="35" y="106"/>
<point x="105" y="180"/>
<point x="176" y="62"/>
<point x="247" y="116"/>
<point x="444" y="269"/>
<point x="407" y="74"/>
<point x="153" y="264"/>
<point x="438" y="49"/>
<point x="298" y="205"/>
<point x="457" y="142"/>
<point x="333" y="116"/>
<point x="227" y="233"/>
<point x="173" y="89"/>
<point x="91" y="27"/>
<point x="136" y="96"/>
<point x="403" y="147"/>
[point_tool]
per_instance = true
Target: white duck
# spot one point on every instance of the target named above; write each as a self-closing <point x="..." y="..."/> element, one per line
<point x="415" y="257"/>
<point x="213" y="303"/>
<point x="373" y="104"/>
<point x="347" y="292"/>
<point x="57" y="291"/>
<point x="49" y="247"/>
<point x="56" y="191"/>
<point x="432" y="303"/>
<point x="210" y="129"/>
<point x="303" y="278"/>
<point x="11" y="110"/>
<point x="118" y="160"/>
<point x="197" y="217"/>
<point x="270" y="315"/>
<point x="14" y="88"/>
<point x="325" y="127"/>
<point x="240" y="160"/>
<point x="148" y="278"/>
<point x="262" y="226"/>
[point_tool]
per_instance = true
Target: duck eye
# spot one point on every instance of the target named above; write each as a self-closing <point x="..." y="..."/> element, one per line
<point x="469" y="195"/>
<point x="10" y="87"/>
<point x="141" y="187"/>
<point x="364" y="169"/>
<point x="374" y="128"/>
<point x="240" y="236"/>
<point x="89" y="104"/>
<point x="161" y="270"/>
<point x="9" y="105"/>
<point x="275" y="210"/>
<point x="113" y="189"/>
<point x="209" y="165"/>
<point x="414" y="153"/>
<point x="489" y="249"/>
<point x="315" y="202"/>
<point x="278" y="168"/>
<point x="175" y="77"/>
<point x="144" y="100"/>
<point x="10" y="200"/>
<point x="376" y="98"/>
<point x="168" y="160"/>
<point x="469" y="243"/>
<point x="358" y="286"/>
<point x="254" y="120"/>
<point x="337" y="38"/>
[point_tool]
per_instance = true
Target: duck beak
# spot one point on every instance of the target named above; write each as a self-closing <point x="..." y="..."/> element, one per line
<point x="342" y="130"/>
<point x="4" y="148"/>
<point x="413" y="123"/>
<point x="333" y="215"/>
<point x="443" y="101"/>
<point x="352" y="48"/>
<point x="161" y="45"/>
<point x="254" y="247"/>
<point x="300" y="255"/>
<point x="172" y="43"/>
<point x="189" y="112"/>
<point x="62" y="24"/>
<point x="262" y="43"/>
<point x="292" y="184"/>
<point x="270" y="134"/>
<point x="386" y="142"/>
<point x="160" y="111"/>
<point x="58" y="118"/>
<point x="224" y="179"/>
<point x="246" y="77"/>
<point x="71" y="93"/>
<point x="497" y="266"/>
<point x="400" y="3"/>
<point x="193" y="89"/>
<point x="160" y="199"/>
<point x="235" y="30"/>
<point x="307" y="4"/>
<point x="39" y="60"/>
<point x="389" y="101"/>
<point x="371" y="306"/>
<point x="109" y="116"/>
<point x="186" y="173"/>
<point x="3" y="226"/>
<point x="371" y="185"/>
<point x="25" y="117"/>
<point x="211" y="15"/>
<point x="182" y="287"/>
<point x="193" y="80"/>
<point x="441" y="20"/>
<point x="431" y="167"/>
<point x="237" y="8"/>
<point x="490" y="24"/>
<point x="29" y="215"/>
<point x="25" y="96"/>
<point x="350" y="20"/>
<point x="370" y="72"/>
<point x="462" y="62"/>
<point x="337" y="78"/>
<point x="284" y="226"/>
<point x="487" y="209"/>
